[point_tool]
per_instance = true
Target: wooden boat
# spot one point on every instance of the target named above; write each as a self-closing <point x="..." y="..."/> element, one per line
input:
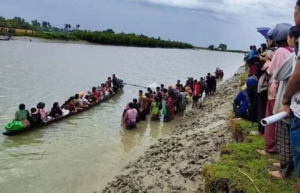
<point x="13" y="133"/>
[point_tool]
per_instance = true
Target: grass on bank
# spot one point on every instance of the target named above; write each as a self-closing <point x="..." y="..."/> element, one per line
<point x="243" y="157"/>
<point x="238" y="159"/>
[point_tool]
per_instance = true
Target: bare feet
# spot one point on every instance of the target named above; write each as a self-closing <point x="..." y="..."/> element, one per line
<point x="276" y="164"/>
<point x="276" y="174"/>
<point x="262" y="152"/>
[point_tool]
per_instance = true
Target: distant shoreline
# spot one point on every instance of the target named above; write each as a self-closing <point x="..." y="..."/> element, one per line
<point x="35" y="39"/>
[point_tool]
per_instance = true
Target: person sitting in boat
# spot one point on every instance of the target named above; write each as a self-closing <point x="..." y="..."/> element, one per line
<point x="95" y="95"/>
<point x="116" y="83"/>
<point x="103" y="93"/>
<point x="78" y="104"/>
<point x="108" y="89"/>
<point x="109" y="82"/>
<point x="69" y="105"/>
<point x="44" y="113"/>
<point x="84" y="103"/>
<point x="35" y="117"/>
<point x="130" y="117"/>
<point x="23" y="116"/>
<point x="55" y="111"/>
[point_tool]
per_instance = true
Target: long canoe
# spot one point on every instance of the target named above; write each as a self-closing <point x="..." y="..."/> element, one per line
<point x="17" y="132"/>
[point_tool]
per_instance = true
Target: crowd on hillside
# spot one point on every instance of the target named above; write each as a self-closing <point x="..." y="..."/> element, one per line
<point x="166" y="102"/>
<point x="273" y="86"/>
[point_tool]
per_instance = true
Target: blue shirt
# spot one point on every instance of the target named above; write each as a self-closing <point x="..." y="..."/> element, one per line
<point x="252" y="54"/>
<point x="242" y="101"/>
<point x="251" y="81"/>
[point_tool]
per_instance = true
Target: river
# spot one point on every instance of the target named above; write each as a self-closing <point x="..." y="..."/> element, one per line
<point x="83" y="153"/>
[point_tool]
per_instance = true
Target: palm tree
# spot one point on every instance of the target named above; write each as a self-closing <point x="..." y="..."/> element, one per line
<point x="77" y="26"/>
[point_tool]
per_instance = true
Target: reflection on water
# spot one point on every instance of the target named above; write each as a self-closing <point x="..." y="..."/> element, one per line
<point x="84" y="152"/>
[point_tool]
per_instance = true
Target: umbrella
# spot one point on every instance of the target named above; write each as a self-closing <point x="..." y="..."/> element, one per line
<point x="263" y="31"/>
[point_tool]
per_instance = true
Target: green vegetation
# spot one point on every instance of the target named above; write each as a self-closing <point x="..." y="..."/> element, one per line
<point x="221" y="47"/>
<point x="241" y="168"/>
<point x="242" y="157"/>
<point x="19" y="27"/>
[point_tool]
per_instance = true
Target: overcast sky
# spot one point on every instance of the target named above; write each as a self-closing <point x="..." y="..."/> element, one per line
<point x="199" y="22"/>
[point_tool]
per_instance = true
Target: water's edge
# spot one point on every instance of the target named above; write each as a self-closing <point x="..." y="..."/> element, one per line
<point x="174" y="162"/>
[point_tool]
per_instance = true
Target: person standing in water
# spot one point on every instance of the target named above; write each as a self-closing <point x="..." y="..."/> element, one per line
<point x="129" y="119"/>
<point x="155" y="109"/>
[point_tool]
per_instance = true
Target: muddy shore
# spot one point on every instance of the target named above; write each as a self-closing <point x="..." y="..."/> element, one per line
<point x="173" y="164"/>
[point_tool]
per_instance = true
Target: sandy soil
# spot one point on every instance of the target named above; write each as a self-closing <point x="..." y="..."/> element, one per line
<point x="173" y="164"/>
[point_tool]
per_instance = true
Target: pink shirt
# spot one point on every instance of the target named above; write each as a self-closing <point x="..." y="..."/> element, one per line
<point x="278" y="58"/>
<point x="43" y="113"/>
<point x="132" y="113"/>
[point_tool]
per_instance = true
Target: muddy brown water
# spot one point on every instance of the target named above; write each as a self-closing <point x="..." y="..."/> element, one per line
<point x="84" y="152"/>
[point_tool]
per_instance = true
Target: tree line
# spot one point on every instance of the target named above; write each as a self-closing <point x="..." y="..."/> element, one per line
<point x="222" y="47"/>
<point x="45" y="30"/>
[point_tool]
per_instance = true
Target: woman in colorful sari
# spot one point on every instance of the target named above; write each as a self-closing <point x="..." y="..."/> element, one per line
<point x="130" y="117"/>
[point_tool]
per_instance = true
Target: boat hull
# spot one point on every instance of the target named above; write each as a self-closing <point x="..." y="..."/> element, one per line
<point x="17" y="132"/>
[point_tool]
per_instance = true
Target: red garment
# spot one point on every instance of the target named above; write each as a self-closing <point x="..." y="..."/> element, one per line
<point x="96" y="95"/>
<point x="252" y="68"/>
<point x="196" y="89"/>
<point x="170" y="107"/>
<point x="269" y="134"/>
<point x="71" y="107"/>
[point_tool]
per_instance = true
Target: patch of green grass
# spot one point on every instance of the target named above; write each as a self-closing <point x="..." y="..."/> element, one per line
<point x="243" y="156"/>
<point x="244" y="125"/>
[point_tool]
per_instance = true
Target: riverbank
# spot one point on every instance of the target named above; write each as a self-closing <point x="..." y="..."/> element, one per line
<point x="35" y="39"/>
<point x="174" y="163"/>
<point x="241" y="168"/>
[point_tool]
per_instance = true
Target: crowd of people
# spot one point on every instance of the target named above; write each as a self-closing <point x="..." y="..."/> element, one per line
<point x="37" y="115"/>
<point x="273" y="86"/>
<point x="167" y="102"/>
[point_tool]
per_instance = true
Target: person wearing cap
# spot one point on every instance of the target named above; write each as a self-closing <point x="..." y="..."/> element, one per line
<point x="277" y="34"/>
<point x="291" y="103"/>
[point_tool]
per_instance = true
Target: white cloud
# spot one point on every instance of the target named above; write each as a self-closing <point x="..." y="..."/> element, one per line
<point x="268" y="9"/>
